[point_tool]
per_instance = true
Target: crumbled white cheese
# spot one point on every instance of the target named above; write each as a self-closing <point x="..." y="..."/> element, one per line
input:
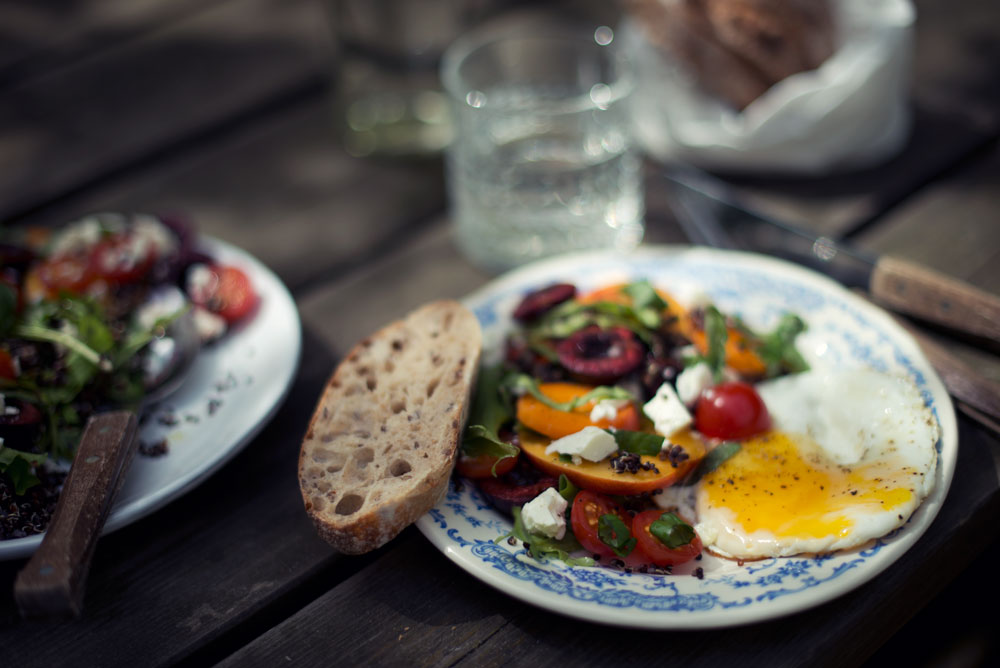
<point x="79" y="236"/>
<point x="155" y="234"/>
<point x="201" y="282"/>
<point x="667" y="411"/>
<point x="162" y="304"/>
<point x="605" y="409"/>
<point x="208" y="325"/>
<point x="546" y="514"/>
<point x="590" y="443"/>
<point x="692" y="381"/>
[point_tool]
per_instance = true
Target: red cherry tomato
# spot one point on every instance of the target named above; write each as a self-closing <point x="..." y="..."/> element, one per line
<point x="731" y="410"/>
<point x="482" y="465"/>
<point x="120" y="259"/>
<point x="69" y="273"/>
<point x="655" y="551"/>
<point x="227" y="291"/>
<point x="585" y="517"/>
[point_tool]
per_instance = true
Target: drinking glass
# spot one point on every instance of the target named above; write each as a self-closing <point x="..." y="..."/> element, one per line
<point x="542" y="159"/>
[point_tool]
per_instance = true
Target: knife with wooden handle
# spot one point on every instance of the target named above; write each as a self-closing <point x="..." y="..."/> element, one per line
<point x="710" y="213"/>
<point x="906" y="287"/>
<point x="53" y="581"/>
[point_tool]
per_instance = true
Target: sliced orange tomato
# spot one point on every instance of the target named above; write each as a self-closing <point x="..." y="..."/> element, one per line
<point x="739" y="355"/>
<point x="535" y="415"/>
<point x="601" y="477"/>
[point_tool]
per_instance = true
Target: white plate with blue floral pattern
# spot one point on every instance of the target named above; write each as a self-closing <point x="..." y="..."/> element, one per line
<point x="844" y="330"/>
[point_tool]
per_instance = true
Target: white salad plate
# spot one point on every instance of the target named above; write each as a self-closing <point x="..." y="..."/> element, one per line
<point x="233" y="389"/>
<point x="843" y="331"/>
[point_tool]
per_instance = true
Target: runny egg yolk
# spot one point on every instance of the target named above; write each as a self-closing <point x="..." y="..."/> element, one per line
<point x="782" y="484"/>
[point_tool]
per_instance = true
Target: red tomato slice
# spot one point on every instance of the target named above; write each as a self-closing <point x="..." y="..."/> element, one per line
<point x="481" y="466"/>
<point x="120" y="259"/>
<point x="227" y="292"/>
<point x="655" y="551"/>
<point x="70" y="273"/>
<point x="731" y="410"/>
<point x="585" y="515"/>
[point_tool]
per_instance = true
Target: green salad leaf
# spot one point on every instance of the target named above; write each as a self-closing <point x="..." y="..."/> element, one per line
<point x="520" y="383"/>
<point x="711" y="461"/>
<point x="491" y="408"/>
<point x="613" y="533"/>
<point x="672" y="531"/>
<point x="637" y="442"/>
<point x="18" y="466"/>
<point x="540" y="547"/>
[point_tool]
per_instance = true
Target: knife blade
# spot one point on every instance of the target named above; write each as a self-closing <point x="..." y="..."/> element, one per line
<point x="711" y="213"/>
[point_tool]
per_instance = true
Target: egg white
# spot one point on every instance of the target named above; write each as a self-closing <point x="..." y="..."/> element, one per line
<point x="851" y="455"/>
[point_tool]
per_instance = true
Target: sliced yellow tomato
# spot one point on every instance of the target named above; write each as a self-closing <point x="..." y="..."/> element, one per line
<point x="601" y="477"/>
<point x="535" y="415"/>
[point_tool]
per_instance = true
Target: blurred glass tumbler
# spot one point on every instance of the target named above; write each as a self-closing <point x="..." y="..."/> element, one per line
<point x="388" y="93"/>
<point x="542" y="160"/>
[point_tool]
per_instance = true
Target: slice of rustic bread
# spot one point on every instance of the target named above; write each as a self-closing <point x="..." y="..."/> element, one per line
<point x="385" y="435"/>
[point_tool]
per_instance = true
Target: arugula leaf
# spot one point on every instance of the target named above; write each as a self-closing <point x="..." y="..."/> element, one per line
<point x="637" y="442"/>
<point x="490" y="410"/>
<point x="716" y="333"/>
<point x="613" y="533"/>
<point x="672" y="531"/>
<point x="520" y="383"/>
<point x="715" y="457"/>
<point x="540" y="547"/>
<point x="647" y="303"/>
<point x="777" y="348"/>
<point x="17" y="465"/>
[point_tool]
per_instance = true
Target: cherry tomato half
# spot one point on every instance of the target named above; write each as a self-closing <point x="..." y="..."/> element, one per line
<point x="225" y="290"/>
<point x="46" y="279"/>
<point x="481" y="466"/>
<point x="655" y="551"/>
<point x="731" y="410"/>
<point x="585" y="517"/>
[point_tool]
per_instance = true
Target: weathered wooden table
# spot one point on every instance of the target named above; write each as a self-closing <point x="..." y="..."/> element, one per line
<point x="218" y="109"/>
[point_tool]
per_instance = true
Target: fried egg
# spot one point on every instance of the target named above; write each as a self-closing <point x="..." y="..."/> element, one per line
<point x="850" y="456"/>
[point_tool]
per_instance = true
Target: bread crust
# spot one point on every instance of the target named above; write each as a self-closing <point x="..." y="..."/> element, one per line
<point x="383" y="440"/>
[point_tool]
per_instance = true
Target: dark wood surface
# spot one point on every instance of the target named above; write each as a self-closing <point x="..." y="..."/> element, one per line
<point x="220" y="111"/>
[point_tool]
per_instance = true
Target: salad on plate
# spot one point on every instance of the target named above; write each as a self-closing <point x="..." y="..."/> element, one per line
<point x="86" y="312"/>
<point x="623" y="428"/>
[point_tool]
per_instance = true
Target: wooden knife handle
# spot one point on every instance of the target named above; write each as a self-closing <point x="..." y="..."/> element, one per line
<point x="909" y="288"/>
<point x="52" y="583"/>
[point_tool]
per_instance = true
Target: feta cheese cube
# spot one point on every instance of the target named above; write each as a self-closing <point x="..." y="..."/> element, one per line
<point x="605" y="409"/>
<point x="692" y="381"/>
<point x="546" y="514"/>
<point x="590" y="443"/>
<point x="667" y="411"/>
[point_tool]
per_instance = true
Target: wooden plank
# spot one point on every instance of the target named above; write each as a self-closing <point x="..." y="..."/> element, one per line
<point x="951" y="226"/>
<point x="77" y="125"/>
<point x="281" y="188"/>
<point x="412" y="608"/>
<point x="37" y="37"/>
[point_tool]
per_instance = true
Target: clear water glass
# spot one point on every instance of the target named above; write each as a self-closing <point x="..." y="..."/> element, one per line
<point x="542" y="160"/>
